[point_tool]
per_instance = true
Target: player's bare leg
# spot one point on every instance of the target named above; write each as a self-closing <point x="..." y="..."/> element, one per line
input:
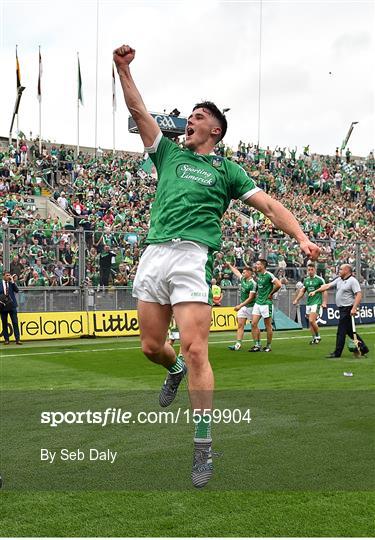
<point x="194" y="321"/>
<point x="241" y="329"/>
<point x="255" y="332"/>
<point x="240" y="333"/>
<point x="314" y="328"/>
<point x="153" y="324"/>
<point x="154" y="320"/>
<point x="268" y="325"/>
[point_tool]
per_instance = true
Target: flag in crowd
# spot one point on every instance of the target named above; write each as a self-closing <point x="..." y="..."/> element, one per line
<point x="113" y="88"/>
<point x="18" y="71"/>
<point x="40" y="77"/>
<point x="80" y="95"/>
<point x="348" y="168"/>
<point x="316" y="165"/>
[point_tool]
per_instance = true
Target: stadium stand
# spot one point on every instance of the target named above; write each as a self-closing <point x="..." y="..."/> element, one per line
<point x="105" y="200"/>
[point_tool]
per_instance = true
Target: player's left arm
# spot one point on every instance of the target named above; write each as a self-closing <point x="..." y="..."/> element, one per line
<point x="283" y="220"/>
<point x="249" y="299"/>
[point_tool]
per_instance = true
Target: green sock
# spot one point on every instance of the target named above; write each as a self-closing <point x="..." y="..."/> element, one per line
<point x="177" y="366"/>
<point x="202" y="428"/>
<point x="258" y="343"/>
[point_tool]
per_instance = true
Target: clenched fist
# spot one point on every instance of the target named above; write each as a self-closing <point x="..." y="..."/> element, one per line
<point x="122" y="56"/>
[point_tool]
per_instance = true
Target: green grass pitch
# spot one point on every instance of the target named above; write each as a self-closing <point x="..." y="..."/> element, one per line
<point x="245" y="509"/>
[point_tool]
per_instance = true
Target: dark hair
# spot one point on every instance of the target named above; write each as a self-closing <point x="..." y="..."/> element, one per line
<point x="216" y="113"/>
<point x="264" y="262"/>
<point x="248" y="268"/>
<point x="311" y="265"/>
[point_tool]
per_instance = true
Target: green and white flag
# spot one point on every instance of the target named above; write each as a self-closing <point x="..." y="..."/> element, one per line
<point x="348" y="168"/>
<point x="316" y="166"/>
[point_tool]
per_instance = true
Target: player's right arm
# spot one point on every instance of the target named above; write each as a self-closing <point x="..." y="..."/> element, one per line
<point x="235" y="270"/>
<point x="300" y="294"/>
<point x="147" y="127"/>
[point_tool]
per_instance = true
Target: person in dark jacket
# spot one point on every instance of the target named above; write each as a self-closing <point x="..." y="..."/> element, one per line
<point x="9" y="288"/>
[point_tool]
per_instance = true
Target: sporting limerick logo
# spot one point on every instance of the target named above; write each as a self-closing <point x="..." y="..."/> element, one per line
<point x="201" y="176"/>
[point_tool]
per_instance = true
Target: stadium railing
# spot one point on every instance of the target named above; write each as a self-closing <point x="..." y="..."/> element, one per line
<point x="49" y="299"/>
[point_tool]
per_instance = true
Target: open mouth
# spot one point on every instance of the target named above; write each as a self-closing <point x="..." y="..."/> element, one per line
<point x="189" y="131"/>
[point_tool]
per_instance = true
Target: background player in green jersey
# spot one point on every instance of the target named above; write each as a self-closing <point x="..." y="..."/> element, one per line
<point x="267" y="286"/>
<point x="311" y="283"/>
<point x="194" y="190"/>
<point x="173" y="332"/>
<point x="247" y="300"/>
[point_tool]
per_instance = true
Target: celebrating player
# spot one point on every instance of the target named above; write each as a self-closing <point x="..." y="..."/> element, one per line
<point x="311" y="283"/>
<point x="267" y="286"/>
<point x="247" y="300"/>
<point x="194" y="190"/>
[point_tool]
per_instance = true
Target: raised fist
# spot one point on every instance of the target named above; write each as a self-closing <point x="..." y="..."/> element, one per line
<point x="122" y="56"/>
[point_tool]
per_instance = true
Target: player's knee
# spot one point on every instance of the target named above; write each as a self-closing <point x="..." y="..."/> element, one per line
<point x="196" y="353"/>
<point x="151" y="348"/>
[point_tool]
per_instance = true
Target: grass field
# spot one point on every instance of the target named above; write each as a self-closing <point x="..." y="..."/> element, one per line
<point x="304" y="466"/>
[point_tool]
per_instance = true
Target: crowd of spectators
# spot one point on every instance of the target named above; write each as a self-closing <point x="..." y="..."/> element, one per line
<point x="110" y="199"/>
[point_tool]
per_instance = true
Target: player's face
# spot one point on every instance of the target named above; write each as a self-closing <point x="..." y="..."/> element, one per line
<point x="246" y="274"/>
<point x="311" y="271"/>
<point x="258" y="267"/>
<point x="200" y="128"/>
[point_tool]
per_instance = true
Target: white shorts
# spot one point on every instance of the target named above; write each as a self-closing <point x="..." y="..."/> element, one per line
<point x="173" y="335"/>
<point x="264" y="311"/>
<point x="313" y="308"/>
<point x="174" y="272"/>
<point x="245" y="313"/>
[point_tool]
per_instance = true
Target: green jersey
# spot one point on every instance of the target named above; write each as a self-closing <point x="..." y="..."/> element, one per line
<point x="264" y="288"/>
<point x="311" y="284"/>
<point x="193" y="193"/>
<point x="247" y="286"/>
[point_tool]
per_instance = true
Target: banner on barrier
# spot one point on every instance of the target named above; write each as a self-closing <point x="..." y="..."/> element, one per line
<point x="223" y="318"/>
<point x="113" y="323"/>
<point x="125" y="323"/>
<point x="331" y="315"/>
<point x="63" y="325"/>
<point x="51" y="325"/>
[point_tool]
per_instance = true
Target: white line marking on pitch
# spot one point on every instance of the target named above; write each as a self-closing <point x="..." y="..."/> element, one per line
<point x="78" y="351"/>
